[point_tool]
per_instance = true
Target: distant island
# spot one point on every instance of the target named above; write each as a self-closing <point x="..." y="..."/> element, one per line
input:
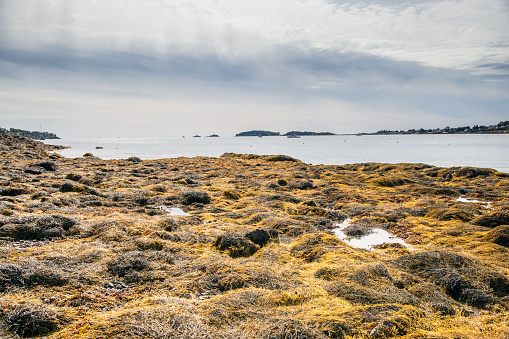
<point x="260" y="133"/>
<point x="28" y="134"/>
<point x="299" y="133"/>
<point x="257" y="133"/>
<point x="500" y="128"/>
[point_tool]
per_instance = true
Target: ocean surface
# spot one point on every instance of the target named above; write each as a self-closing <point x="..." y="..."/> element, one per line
<point x="485" y="150"/>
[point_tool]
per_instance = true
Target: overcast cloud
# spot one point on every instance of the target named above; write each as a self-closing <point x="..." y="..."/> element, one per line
<point x="170" y="68"/>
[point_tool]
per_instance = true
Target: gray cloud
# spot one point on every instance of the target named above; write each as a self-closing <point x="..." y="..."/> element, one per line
<point x="363" y="64"/>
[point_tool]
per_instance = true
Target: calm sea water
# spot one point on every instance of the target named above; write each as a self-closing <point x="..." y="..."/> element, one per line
<point x="490" y="151"/>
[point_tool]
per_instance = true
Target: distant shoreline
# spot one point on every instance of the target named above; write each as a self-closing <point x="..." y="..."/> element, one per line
<point x="501" y="128"/>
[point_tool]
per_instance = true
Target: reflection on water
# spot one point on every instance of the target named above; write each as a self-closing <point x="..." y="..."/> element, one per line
<point x="377" y="237"/>
<point x="174" y="211"/>
<point x="486" y="204"/>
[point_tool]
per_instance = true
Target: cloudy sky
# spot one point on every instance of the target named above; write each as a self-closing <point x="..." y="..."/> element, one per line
<point x="169" y="68"/>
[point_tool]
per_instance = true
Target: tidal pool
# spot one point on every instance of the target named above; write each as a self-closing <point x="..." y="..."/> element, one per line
<point x="174" y="211"/>
<point x="486" y="204"/>
<point x="378" y="236"/>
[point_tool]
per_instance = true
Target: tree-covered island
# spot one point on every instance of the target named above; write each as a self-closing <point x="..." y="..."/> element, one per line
<point x="261" y="133"/>
<point x="500" y="128"/>
<point x="36" y="135"/>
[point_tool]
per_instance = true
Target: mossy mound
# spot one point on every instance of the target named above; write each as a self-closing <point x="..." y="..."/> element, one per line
<point x="499" y="235"/>
<point x="492" y="219"/>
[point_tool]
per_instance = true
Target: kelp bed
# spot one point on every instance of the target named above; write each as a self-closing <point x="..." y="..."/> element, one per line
<point x="89" y="250"/>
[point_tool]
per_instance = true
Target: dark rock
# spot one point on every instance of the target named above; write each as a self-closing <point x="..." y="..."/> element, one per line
<point x="35" y="170"/>
<point x="282" y="182"/>
<point x="261" y="236"/>
<point x="12" y="191"/>
<point x="279" y="157"/>
<point x="49" y="166"/>
<point x="73" y="177"/>
<point x="71" y="187"/>
<point x="31" y="321"/>
<point x="134" y="159"/>
<point x="191" y="197"/>
<point x="235" y="246"/>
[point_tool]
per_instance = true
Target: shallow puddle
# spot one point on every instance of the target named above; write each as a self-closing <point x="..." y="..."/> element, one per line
<point x="174" y="211"/>
<point x="377" y="237"/>
<point x="486" y="204"/>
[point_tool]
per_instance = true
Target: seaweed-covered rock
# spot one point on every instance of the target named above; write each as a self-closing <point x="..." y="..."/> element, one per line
<point x="433" y="298"/>
<point x="191" y="197"/>
<point x="300" y="184"/>
<point x="231" y="195"/>
<point x="31" y="321"/>
<point x="10" y="275"/>
<point x="35" y="170"/>
<point x="473" y="172"/>
<point x="73" y="177"/>
<point x="445" y="214"/>
<point x="45" y="227"/>
<point x="499" y="235"/>
<point x="13" y="191"/>
<point x="36" y="275"/>
<point x="280" y="157"/>
<point x="49" y="166"/>
<point x="126" y="263"/>
<point x="71" y="187"/>
<point x="390" y="181"/>
<point x="289" y="328"/>
<point x="475" y="298"/>
<point x="56" y="221"/>
<point x="492" y="219"/>
<point x="261" y="236"/>
<point x="235" y="246"/>
<point x="453" y="283"/>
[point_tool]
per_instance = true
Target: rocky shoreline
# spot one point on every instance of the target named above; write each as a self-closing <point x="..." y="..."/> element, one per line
<point x="90" y="249"/>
